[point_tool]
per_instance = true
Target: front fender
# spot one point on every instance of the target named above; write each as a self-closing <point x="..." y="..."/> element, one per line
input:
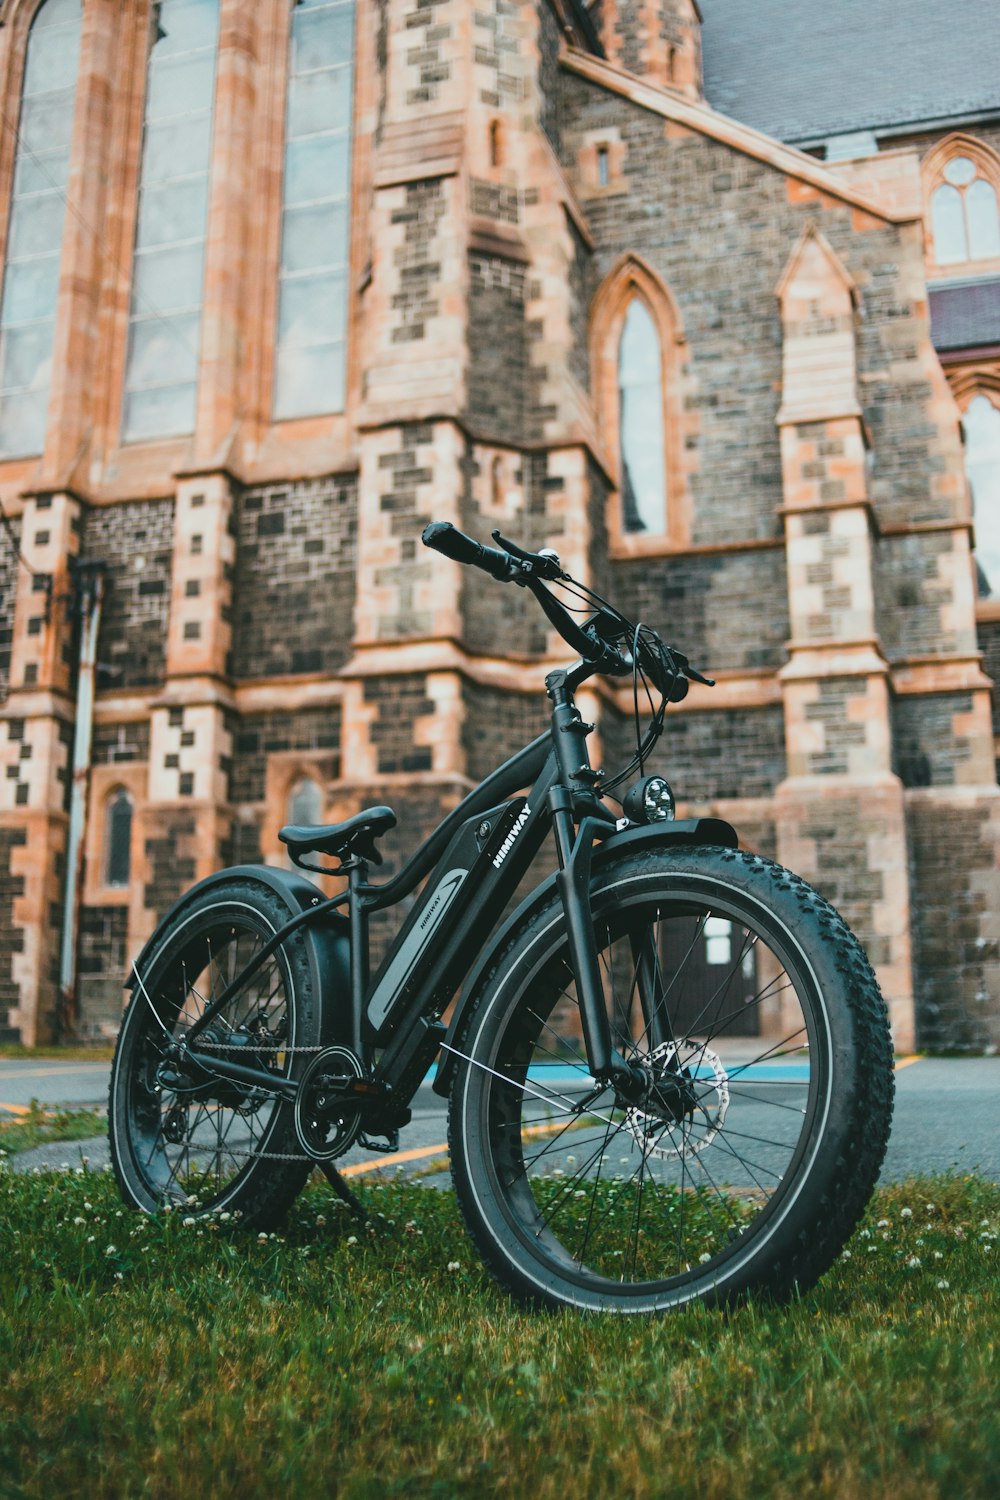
<point x="679" y="833"/>
<point x="327" y="941"/>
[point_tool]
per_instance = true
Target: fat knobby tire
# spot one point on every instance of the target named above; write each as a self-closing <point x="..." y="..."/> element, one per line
<point x="845" y="1158"/>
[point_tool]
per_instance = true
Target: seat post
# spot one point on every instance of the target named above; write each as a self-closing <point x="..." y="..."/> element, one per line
<point x="357" y="877"/>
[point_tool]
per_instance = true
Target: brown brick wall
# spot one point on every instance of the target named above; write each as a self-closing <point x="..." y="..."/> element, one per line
<point x="501" y="618"/>
<point x="926" y="750"/>
<point x="724" y="612"/>
<point x="708" y="756"/>
<point x="953" y="883"/>
<point x="404" y="476"/>
<point x="498" y="724"/>
<point x="841" y="834"/>
<point x="295" y="577"/>
<point x="8" y="590"/>
<point x="426" y="36"/>
<point x="136" y="543"/>
<point x="256" y="736"/>
<point x="549" y="79"/>
<point x="11" y="936"/>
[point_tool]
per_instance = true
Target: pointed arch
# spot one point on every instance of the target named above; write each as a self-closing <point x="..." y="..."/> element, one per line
<point x="632" y="520"/>
<point x="962" y="207"/>
<point x="119" y="808"/>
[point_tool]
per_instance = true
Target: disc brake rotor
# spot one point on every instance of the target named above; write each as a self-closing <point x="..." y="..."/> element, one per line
<point x="709" y="1081"/>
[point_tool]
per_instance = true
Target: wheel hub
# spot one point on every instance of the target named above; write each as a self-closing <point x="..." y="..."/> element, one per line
<point x="686" y="1104"/>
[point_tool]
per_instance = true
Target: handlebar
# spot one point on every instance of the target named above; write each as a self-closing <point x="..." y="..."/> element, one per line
<point x="595" y="641"/>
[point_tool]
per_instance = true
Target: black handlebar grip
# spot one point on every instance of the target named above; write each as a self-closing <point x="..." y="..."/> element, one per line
<point x="443" y="537"/>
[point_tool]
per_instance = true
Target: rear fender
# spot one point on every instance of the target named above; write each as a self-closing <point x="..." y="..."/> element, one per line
<point x="327" y="940"/>
<point x="672" y="835"/>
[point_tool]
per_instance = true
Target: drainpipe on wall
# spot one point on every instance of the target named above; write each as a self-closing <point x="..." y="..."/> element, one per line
<point x="88" y="593"/>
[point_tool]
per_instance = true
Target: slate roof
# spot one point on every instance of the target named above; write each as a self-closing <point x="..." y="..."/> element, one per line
<point x="803" y="70"/>
<point x="966" y="317"/>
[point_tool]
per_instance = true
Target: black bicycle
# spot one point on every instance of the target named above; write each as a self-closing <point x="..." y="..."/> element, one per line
<point x="668" y="1068"/>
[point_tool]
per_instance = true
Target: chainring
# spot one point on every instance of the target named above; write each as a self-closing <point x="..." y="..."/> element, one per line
<point x="323" y="1135"/>
<point x="656" y="1136"/>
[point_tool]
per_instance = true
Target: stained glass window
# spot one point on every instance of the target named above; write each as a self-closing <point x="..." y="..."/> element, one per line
<point x="982" y="465"/>
<point x="641" y="435"/>
<point x="168" y="271"/>
<point x="310" y="349"/>
<point x="35" y="228"/>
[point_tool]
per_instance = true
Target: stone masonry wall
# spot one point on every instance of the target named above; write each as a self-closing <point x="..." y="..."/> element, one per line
<point x="11" y="935"/>
<point x="295" y="577"/>
<point x="117" y="744"/>
<point x="926" y="747"/>
<point x="499" y="619"/>
<point x="498" y="348"/>
<point x="549" y="79"/>
<point x="708" y="756"/>
<point x="911" y="586"/>
<point x="171" y="853"/>
<point x="8" y="589"/>
<point x="989" y="645"/>
<point x="135" y="541"/>
<point x="498" y="724"/>
<point x="748" y="218"/>
<point x="726" y="612"/>
<point x="256" y="736"/>
<point x="955" y="950"/>
<point x="401" y="701"/>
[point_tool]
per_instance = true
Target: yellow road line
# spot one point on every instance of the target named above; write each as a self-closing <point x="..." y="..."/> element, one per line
<point x="390" y="1161"/>
<point x="16" y="1109"/>
<point x="907" y="1062"/>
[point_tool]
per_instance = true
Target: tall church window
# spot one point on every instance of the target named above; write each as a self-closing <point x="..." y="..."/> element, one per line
<point x="965" y="215"/>
<point x="118" y="838"/>
<point x="35" y="227"/>
<point x="982" y="465"/>
<point x="640" y="423"/>
<point x="310" y="351"/>
<point x="305" y="804"/>
<point x="161" y="372"/>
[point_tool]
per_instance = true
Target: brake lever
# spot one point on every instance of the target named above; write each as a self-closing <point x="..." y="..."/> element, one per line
<point x="691" y="673"/>
<point x="543" y="564"/>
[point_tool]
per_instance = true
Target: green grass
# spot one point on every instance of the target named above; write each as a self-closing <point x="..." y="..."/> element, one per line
<point x="42" y="1125"/>
<point x="163" y="1357"/>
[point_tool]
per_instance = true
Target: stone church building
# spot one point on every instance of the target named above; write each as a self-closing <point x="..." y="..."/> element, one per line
<point x="692" y="292"/>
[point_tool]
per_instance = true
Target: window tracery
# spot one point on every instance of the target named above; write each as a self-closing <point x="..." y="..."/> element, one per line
<point x="963" y="184"/>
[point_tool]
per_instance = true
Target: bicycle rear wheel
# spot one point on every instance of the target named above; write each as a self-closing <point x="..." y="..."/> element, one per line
<point x="759" y="1025"/>
<point x="178" y="1135"/>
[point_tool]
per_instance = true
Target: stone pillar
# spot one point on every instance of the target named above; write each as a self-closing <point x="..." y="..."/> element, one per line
<point x="36" y="730"/>
<point x="657" y="39"/>
<point x="186" y="820"/>
<point x="840" y="812"/>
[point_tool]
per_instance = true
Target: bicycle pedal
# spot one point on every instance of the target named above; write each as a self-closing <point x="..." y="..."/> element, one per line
<point x="386" y="1144"/>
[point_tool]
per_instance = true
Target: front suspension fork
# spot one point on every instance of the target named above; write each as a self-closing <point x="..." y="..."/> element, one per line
<point x="575" y="850"/>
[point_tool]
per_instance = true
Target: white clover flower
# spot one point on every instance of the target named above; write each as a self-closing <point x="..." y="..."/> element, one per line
<point x="88" y="1205"/>
<point x="352" y="1239"/>
<point x="320" y="1220"/>
<point x="188" y="1221"/>
<point x="580" y="1193"/>
<point x="845" y="1255"/>
<point x="454" y="1265"/>
<point x="883" y="1224"/>
<point x="79" y="1220"/>
<point x="913" y="1262"/>
<point x="942" y="1286"/>
<point x="704" y="1257"/>
<point x="90" y="1239"/>
<point x="872" y="1249"/>
<point x="930" y="1208"/>
<point x="111" y="1250"/>
<point x="906" y="1213"/>
<point x="918" y="1242"/>
<point x="864" y="1234"/>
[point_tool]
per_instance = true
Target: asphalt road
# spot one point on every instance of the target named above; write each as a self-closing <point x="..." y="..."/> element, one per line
<point x="947" y="1117"/>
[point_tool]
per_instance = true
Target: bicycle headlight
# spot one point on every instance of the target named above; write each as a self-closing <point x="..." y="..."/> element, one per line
<point x="649" y="801"/>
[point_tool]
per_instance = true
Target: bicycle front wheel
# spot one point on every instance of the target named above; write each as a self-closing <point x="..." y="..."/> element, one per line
<point x="758" y="1024"/>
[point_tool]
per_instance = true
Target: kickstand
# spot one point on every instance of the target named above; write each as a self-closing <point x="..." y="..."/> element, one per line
<point x="343" y="1192"/>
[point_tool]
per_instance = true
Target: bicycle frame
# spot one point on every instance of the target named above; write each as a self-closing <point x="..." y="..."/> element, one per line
<point x="482" y="849"/>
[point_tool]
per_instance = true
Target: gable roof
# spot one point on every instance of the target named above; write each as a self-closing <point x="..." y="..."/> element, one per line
<point x="803" y="70"/>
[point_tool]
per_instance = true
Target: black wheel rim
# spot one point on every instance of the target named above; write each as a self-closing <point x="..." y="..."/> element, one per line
<point x="195" y="1144"/>
<point x="643" y="1205"/>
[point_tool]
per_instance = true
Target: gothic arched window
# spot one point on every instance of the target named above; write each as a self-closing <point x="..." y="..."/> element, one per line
<point x="161" y="373"/>
<point x="641" y="454"/>
<point x="981" y="424"/>
<point x="963" y="177"/>
<point x="310" y="355"/>
<point x="118" y="838"/>
<point x="641" y="384"/>
<point x="35" y="226"/>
